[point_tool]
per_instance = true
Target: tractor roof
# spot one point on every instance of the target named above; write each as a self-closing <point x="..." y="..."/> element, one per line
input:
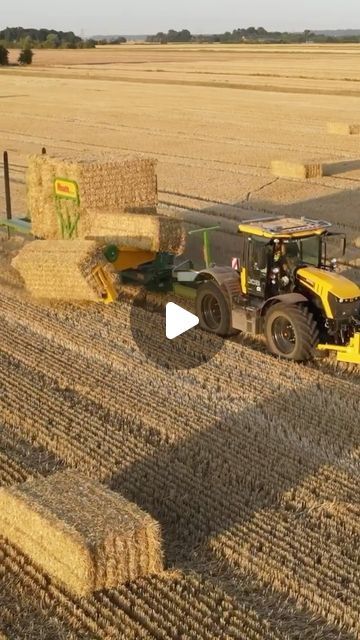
<point x="280" y="227"/>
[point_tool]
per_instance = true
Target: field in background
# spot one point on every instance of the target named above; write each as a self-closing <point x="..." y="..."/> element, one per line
<point x="250" y="465"/>
<point x="214" y="117"/>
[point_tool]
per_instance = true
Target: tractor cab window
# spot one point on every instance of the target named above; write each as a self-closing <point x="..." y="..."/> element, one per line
<point x="258" y="260"/>
<point x="334" y="246"/>
<point x="286" y="254"/>
<point x="292" y="253"/>
<point x="310" y="250"/>
<point x="295" y="253"/>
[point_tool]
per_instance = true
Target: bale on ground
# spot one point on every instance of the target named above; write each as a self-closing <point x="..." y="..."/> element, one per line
<point x="300" y="170"/>
<point x="144" y="232"/>
<point x="61" y="269"/>
<point x="343" y="128"/>
<point x="79" y="532"/>
<point x="128" y="185"/>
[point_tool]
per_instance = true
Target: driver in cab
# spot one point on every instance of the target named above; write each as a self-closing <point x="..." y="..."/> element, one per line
<point x="286" y="259"/>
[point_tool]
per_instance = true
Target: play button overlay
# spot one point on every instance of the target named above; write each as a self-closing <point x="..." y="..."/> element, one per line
<point x="169" y="336"/>
<point x="178" y="321"/>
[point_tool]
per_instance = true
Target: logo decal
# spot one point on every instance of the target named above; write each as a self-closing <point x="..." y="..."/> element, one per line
<point x="67" y="189"/>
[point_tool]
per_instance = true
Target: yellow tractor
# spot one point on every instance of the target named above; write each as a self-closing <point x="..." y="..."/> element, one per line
<point x="284" y="286"/>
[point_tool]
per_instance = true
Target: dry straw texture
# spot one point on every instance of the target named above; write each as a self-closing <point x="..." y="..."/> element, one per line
<point x="300" y="170"/>
<point x="81" y="533"/>
<point x="138" y="231"/>
<point x="127" y="185"/>
<point x="343" y="128"/>
<point x="60" y="269"/>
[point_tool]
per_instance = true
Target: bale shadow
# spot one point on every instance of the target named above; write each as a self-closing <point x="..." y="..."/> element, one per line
<point x="333" y="168"/>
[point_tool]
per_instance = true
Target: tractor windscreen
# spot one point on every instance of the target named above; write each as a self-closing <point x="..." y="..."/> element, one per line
<point x="304" y="250"/>
<point x="310" y="250"/>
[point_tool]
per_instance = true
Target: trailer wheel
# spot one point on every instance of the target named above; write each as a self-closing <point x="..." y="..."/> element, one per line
<point x="213" y="309"/>
<point x="291" y="332"/>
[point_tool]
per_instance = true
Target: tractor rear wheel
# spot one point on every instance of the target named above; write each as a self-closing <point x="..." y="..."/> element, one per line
<point x="291" y="332"/>
<point x="213" y="309"/>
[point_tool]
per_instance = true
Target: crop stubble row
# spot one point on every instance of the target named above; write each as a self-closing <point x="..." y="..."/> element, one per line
<point x="60" y="410"/>
<point x="171" y="605"/>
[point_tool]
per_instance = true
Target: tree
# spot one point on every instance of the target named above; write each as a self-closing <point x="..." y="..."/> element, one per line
<point x="119" y="40"/>
<point x="4" y="56"/>
<point x="26" y="43"/>
<point x="26" y="56"/>
<point x="308" y="35"/>
<point x="52" y="41"/>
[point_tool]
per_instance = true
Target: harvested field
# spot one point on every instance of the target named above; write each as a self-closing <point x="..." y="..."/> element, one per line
<point x="201" y="467"/>
<point x="250" y="465"/>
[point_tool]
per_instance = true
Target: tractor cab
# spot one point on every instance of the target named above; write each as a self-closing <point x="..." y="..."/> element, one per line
<point x="273" y="249"/>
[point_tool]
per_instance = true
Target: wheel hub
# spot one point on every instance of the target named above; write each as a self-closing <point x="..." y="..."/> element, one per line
<point x="284" y="335"/>
<point x="211" y="312"/>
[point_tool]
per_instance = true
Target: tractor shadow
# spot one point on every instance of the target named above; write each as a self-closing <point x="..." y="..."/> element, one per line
<point x="220" y="477"/>
<point x="341" y="209"/>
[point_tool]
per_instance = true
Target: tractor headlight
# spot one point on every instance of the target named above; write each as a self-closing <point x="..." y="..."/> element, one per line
<point x="343" y="300"/>
<point x="344" y="307"/>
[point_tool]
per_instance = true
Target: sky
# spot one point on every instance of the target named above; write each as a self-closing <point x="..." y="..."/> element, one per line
<point x="135" y="17"/>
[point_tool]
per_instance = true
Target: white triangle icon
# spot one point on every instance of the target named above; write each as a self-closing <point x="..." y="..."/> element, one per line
<point x="178" y="320"/>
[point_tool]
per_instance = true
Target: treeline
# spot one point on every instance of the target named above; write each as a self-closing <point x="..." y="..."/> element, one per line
<point x="18" y="37"/>
<point x="251" y="35"/>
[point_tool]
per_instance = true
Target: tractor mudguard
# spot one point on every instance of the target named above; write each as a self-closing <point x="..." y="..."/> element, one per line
<point x="286" y="298"/>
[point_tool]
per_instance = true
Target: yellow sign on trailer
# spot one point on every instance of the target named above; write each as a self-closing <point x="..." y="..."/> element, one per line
<point x="67" y="189"/>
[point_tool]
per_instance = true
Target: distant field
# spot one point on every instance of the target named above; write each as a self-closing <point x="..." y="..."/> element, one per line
<point x="214" y="116"/>
<point x="251" y="465"/>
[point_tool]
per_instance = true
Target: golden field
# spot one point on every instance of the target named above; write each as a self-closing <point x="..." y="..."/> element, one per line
<point x="249" y="464"/>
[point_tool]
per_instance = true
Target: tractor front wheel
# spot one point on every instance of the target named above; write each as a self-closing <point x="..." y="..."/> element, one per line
<point x="291" y="332"/>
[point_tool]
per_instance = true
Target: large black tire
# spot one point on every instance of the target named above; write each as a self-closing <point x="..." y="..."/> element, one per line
<point x="213" y="309"/>
<point x="291" y="332"/>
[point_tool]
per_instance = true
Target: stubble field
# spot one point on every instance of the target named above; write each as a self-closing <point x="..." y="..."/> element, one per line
<point x="250" y="465"/>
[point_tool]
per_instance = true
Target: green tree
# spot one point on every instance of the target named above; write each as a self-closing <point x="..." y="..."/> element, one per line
<point x="4" y="56"/>
<point x="26" y="43"/>
<point x="52" y="41"/>
<point x="26" y="56"/>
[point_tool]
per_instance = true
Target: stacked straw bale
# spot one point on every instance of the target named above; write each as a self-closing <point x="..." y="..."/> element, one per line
<point x="61" y="269"/>
<point x="80" y="533"/>
<point x="137" y="231"/>
<point x="343" y="128"/>
<point x="299" y="170"/>
<point x="129" y="185"/>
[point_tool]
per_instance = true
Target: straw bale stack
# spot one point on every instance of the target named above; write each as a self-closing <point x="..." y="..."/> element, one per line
<point x="128" y="185"/>
<point x="357" y="242"/>
<point x="343" y="128"/>
<point x="145" y="232"/>
<point x="299" y="170"/>
<point x="80" y="533"/>
<point x="61" y="269"/>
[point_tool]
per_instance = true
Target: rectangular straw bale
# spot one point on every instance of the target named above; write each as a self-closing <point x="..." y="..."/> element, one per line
<point x="343" y="128"/>
<point x="138" y="231"/>
<point x="60" y="269"/>
<point x="300" y="170"/>
<point x="80" y="533"/>
<point x="128" y="184"/>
